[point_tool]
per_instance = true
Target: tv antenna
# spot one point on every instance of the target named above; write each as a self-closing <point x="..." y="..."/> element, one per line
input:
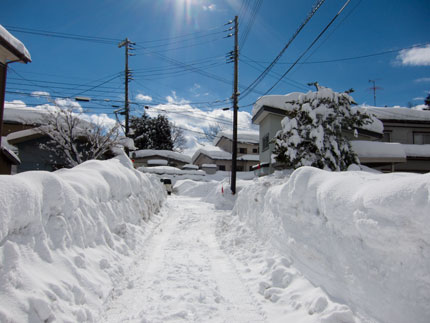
<point x="374" y="88"/>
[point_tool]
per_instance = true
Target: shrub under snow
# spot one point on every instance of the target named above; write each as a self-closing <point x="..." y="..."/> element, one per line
<point x="66" y="237"/>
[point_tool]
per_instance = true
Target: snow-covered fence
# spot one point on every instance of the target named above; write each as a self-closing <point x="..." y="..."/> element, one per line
<point x="65" y="237"/>
<point x="363" y="237"/>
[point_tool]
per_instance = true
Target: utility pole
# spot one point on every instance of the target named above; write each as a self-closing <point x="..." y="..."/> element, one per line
<point x="127" y="44"/>
<point x="374" y="88"/>
<point x="235" y="101"/>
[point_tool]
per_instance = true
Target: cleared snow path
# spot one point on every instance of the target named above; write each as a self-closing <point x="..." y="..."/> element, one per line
<point x="183" y="275"/>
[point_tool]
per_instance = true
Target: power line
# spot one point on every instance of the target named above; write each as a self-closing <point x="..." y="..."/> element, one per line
<point x="310" y="46"/>
<point x="248" y="27"/>
<point x="100" y="40"/>
<point x="257" y="81"/>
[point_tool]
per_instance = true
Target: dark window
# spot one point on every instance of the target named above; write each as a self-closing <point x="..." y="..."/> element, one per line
<point x="255" y="150"/>
<point x="265" y="143"/>
<point x="239" y="168"/>
<point x="221" y="167"/>
<point x="421" y="138"/>
<point x="386" y="136"/>
<point x="242" y="150"/>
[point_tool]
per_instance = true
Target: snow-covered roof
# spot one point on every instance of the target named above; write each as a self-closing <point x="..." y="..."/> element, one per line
<point x="417" y="150"/>
<point x="208" y="165"/>
<point x="190" y="166"/>
<point x="168" y="170"/>
<point x="212" y="152"/>
<point x="217" y="153"/>
<point x="276" y="101"/>
<point x="157" y="162"/>
<point x="18" y="135"/>
<point x="376" y="149"/>
<point x="397" y="113"/>
<point x="10" y="150"/>
<point x="283" y="102"/>
<point x="23" y="115"/>
<point x="162" y="153"/>
<point x="11" y="48"/>
<point x="250" y="136"/>
<point x="249" y="157"/>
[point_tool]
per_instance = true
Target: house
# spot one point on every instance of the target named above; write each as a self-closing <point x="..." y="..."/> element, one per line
<point x="220" y="154"/>
<point x="151" y="157"/>
<point x="268" y="113"/>
<point x="11" y="51"/>
<point x="410" y="129"/>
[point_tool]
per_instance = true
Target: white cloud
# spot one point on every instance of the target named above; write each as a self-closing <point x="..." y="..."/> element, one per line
<point x="423" y="79"/>
<point x="40" y="93"/>
<point x="69" y="104"/>
<point x="418" y="99"/>
<point x="210" y="7"/>
<point x="142" y="97"/>
<point x="417" y="56"/>
<point x="195" y="120"/>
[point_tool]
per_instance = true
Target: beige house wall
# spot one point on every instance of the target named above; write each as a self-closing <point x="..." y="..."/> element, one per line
<point x="227" y="144"/>
<point x="203" y="159"/>
<point x="404" y="132"/>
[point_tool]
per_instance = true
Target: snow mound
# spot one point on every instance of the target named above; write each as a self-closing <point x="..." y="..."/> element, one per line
<point x="216" y="192"/>
<point x="66" y="237"/>
<point x="362" y="237"/>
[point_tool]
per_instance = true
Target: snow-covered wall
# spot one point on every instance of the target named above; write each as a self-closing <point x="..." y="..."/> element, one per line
<point x="66" y="237"/>
<point x="363" y="237"/>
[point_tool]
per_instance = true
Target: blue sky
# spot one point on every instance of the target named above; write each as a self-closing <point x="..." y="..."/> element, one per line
<point x="180" y="49"/>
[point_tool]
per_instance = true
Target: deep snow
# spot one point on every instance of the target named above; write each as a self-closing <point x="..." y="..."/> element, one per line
<point x="67" y="237"/>
<point x="87" y="245"/>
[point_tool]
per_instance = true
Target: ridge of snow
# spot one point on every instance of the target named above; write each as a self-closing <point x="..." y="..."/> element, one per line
<point x="362" y="237"/>
<point x="68" y="236"/>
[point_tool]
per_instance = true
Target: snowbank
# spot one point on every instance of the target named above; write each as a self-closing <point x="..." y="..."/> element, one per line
<point x="66" y="237"/>
<point x="362" y="237"/>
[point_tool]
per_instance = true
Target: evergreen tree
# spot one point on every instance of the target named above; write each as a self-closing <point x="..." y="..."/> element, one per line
<point x="313" y="132"/>
<point x="151" y="133"/>
<point x="427" y="102"/>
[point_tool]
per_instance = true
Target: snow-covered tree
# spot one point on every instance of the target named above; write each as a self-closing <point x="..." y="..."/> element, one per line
<point x="178" y="138"/>
<point x="427" y="102"/>
<point x="211" y="131"/>
<point x="75" y="139"/>
<point x="313" y="132"/>
<point x="151" y="133"/>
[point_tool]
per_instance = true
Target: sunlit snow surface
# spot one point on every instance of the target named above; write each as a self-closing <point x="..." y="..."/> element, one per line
<point x="98" y="244"/>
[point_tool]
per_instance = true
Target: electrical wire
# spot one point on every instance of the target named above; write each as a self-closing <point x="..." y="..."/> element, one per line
<point x="310" y="46"/>
<point x="250" y="88"/>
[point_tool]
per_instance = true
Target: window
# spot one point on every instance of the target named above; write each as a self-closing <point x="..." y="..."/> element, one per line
<point x="265" y="142"/>
<point x="221" y="167"/>
<point x="421" y="138"/>
<point x="239" y="168"/>
<point x="255" y="150"/>
<point x="242" y="150"/>
<point x="386" y="137"/>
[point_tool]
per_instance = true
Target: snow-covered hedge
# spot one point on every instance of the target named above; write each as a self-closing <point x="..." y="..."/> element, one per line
<point x="66" y="237"/>
<point x="363" y="237"/>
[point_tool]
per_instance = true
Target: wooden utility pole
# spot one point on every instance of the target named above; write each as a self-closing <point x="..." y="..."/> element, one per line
<point x="127" y="44"/>
<point x="235" y="101"/>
